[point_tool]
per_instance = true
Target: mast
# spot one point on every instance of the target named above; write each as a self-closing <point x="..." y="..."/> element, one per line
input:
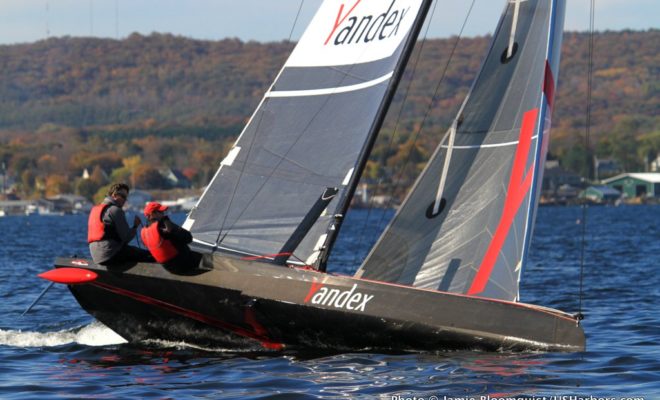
<point x="553" y="55"/>
<point x="333" y="230"/>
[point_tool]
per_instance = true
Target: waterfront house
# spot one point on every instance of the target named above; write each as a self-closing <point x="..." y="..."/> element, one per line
<point x="638" y="184"/>
<point x="601" y="194"/>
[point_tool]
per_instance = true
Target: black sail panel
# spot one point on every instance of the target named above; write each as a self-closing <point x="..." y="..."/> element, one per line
<point x="308" y="132"/>
<point x="490" y="159"/>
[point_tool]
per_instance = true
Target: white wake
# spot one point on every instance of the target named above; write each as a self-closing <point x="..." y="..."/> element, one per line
<point x="94" y="334"/>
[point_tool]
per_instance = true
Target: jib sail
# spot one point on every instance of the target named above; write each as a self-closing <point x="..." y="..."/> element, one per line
<point x="466" y="225"/>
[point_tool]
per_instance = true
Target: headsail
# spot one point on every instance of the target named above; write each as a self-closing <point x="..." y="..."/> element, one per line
<point x="487" y="170"/>
<point x="282" y="183"/>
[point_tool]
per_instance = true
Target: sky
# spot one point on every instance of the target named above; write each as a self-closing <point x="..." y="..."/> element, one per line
<point x="23" y="21"/>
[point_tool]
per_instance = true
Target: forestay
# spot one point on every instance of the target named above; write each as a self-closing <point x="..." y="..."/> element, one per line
<point x="486" y="172"/>
<point x="280" y="186"/>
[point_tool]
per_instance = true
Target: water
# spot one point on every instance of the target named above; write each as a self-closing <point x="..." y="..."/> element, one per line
<point x="58" y="351"/>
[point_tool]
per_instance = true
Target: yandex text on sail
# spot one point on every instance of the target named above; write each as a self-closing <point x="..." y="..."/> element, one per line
<point x="365" y="27"/>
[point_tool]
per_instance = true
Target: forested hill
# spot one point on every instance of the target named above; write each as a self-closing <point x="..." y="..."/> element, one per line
<point x="173" y="87"/>
<point x="165" y="79"/>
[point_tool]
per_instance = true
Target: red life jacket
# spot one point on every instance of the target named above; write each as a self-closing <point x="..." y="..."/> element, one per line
<point x="95" y="225"/>
<point x="162" y="249"/>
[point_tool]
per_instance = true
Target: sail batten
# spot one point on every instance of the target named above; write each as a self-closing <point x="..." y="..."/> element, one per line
<point x="476" y="243"/>
<point x="486" y="146"/>
<point x="331" y="90"/>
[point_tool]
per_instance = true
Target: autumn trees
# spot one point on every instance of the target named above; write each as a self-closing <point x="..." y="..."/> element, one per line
<point x="123" y="110"/>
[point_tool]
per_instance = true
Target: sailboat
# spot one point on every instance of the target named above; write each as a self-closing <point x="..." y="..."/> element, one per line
<point x="445" y="272"/>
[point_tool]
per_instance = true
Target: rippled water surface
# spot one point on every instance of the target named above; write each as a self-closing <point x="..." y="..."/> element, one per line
<point x="58" y="351"/>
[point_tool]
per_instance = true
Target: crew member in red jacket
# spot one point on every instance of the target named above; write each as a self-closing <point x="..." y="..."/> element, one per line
<point x="167" y="242"/>
<point x="108" y="233"/>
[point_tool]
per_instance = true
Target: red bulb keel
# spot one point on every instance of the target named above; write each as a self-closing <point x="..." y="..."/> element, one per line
<point x="69" y="276"/>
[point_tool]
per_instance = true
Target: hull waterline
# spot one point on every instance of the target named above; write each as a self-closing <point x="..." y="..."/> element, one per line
<point x="233" y="303"/>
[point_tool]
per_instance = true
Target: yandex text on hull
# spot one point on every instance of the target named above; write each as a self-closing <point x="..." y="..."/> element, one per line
<point x="344" y="299"/>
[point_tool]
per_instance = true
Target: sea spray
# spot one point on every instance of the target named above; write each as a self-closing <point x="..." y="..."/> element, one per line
<point x="94" y="334"/>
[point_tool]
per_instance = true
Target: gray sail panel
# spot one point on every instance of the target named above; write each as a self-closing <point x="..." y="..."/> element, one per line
<point x="307" y="133"/>
<point x="286" y="164"/>
<point x="481" y="231"/>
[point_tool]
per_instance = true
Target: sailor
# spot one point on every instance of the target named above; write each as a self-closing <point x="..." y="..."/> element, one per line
<point x="167" y="241"/>
<point x="108" y="233"/>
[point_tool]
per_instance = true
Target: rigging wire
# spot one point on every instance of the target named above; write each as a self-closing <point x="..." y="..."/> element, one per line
<point x="428" y="110"/>
<point x="47" y="20"/>
<point x="590" y="75"/>
<point x="390" y="145"/>
<point x="117" y="19"/>
<point x="91" y="18"/>
<point x="295" y="20"/>
<point x="222" y="230"/>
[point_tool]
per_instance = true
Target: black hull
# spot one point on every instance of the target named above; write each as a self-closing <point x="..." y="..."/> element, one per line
<point x="235" y="303"/>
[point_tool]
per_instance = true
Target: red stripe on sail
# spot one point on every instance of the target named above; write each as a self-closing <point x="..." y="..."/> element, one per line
<point x="518" y="188"/>
<point x="549" y="84"/>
